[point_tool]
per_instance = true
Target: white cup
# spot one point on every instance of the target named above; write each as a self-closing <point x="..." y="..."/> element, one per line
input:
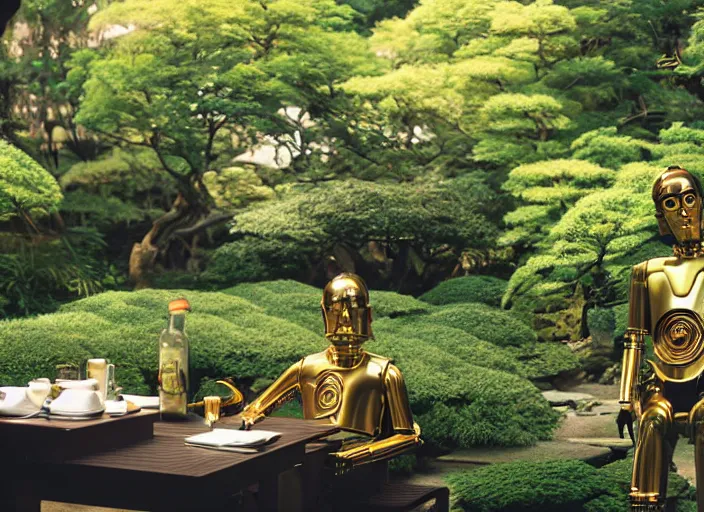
<point x="104" y="373"/>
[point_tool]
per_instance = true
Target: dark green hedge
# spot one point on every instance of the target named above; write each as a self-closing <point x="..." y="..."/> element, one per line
<point x="300" y="303"/>
<point x="486" y="323"/>
<point x="485" y="289"/>
<point x="460" y="404"/>
<point x="553" y="486"/>
<point x="456" y="403"/>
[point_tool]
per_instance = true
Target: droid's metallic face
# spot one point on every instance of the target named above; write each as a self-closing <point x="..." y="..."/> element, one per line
<point x="346" y="310"/>
<point x="678" y="204"/>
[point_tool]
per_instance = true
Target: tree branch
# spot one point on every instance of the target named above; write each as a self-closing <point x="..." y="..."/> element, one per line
<point x="205" y="223"/>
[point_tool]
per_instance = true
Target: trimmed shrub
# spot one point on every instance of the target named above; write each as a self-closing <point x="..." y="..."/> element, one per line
<point x="544" y="359"/>
<point x="293" y="301"/>
<point x="484" y="322"/>
<point x="552" y="486"/>
<point x="226" y="335"/>
<point x="300" y="303"/>
<point x="459" y="404"/>
<point x="394" y="304"/>
<point x="485" y="289"/>
<point x="253" y="259"/>
<point x="468" y="348"/>
<point x="455" y="403"/>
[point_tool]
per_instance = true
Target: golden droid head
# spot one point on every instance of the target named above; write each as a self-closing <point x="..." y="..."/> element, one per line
<point x="678" y="205"/>
<point x="346" y="310"/>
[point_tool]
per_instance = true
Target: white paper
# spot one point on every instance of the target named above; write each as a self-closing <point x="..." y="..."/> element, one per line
<point x="220" y="437"/>
<point x="116" y="408"/>
<point x="145" y="402"/>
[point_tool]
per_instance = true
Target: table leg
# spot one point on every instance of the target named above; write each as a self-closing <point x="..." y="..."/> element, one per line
<point x="20" y="503"/>
<point x="268" y="495"/>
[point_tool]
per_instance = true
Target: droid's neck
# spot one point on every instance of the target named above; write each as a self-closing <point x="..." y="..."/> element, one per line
<point x="687" y="251"/>
<point x="345" y="356"/>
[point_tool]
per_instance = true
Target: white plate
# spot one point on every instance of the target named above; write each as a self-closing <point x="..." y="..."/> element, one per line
<point x="229" y="437"/>
<point x="79" y="414"/>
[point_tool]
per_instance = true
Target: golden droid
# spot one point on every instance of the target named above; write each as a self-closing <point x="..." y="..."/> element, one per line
<point x="360" y="392"/>
<point x="667" y="302"/>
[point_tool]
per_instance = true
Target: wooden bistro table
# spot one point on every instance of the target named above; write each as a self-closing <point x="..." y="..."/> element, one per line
<point x="163" y="473"/>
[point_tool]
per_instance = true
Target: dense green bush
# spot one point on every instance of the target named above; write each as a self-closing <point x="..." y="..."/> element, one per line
<point x="553" y="486"/>
<point x="255" y="259"/>
<point x="544" y="359"/>
<point x="455" y="403"/>
<point x="532" y="360"/>
<point x="227" y="338"/>
<point x="300" y="303"/>
<point x="484" y="322"/>
<point x="460" y="404"/>
<point x="454" y="341"/>
<point x="295" y="302"/>
<point x="485" y="289"/>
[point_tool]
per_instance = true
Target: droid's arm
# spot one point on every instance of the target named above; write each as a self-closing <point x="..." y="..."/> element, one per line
<point x="635" y="335"/>
<point x="406" y="433"/>
<point x="280" y="392"/>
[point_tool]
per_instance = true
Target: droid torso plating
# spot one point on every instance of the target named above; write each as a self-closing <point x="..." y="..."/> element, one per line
<point x="352" y="398"/>
<point x="676" y="307"/>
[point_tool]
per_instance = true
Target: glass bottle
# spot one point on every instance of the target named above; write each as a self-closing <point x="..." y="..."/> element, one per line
<point x="173" y="364"/>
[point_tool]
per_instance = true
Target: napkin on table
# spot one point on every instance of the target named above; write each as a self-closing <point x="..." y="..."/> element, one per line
<point x="247" y="441"/>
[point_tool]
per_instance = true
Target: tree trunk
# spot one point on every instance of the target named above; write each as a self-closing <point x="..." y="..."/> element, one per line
<point x="161" y="240"/>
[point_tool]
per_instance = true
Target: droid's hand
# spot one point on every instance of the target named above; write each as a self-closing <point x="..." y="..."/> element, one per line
<point x="249" y="419"/>
<point x="625" y="419"/>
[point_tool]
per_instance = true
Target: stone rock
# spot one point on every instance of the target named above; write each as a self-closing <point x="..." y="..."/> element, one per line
<point x="588" y="405"/>
<point x="614" y="443"/>
<point x="546" y="450"/>
<point x="611" y="375"/>
<point x="607" y="407"/>
<point x="599" y="425"/>
<point x="557" y="398"/>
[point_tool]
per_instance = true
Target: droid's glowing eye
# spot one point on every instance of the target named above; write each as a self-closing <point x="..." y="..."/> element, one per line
<point x="689" y="200"/>
<point x="670" y="203"/>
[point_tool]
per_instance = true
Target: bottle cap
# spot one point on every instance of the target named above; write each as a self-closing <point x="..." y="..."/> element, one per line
<point x="179" y="305"/>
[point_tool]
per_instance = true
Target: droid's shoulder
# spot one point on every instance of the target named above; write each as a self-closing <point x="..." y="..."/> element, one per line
<point x="655" y="265"/>
<point x="380" y="361"/>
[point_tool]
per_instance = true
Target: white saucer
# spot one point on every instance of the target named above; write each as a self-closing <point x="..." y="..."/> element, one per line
<point x="78" y="414"/>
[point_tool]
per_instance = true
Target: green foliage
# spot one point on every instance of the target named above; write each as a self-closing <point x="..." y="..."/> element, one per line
<point x="390" y="304"/>
<point x="606" y="148"/>
<point x="600" y="228"/>
<point x="547" y="189"/>
<point x="544" y="360"/>
<point x="295" y="302"/>
<point x="236" y="187"/>
<point x="36" y="277"/>
<point x="484" y="322"/>
<point x="300" y="303"/>
<point x="455" y="403"/>
<point x="601" y="320"/>
<point x="553" y="486"/>
<point x="412" y="222"/>
<point x="463" y="404"/>
<point x="531" y="360"/>
<point x="484" y="289"/>
<point x="26" y="189"/>
<point x="254" y="259"/>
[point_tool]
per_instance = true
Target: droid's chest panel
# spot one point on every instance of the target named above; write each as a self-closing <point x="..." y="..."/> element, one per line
<point x="350" y="398"/>
<point x="676" y="310"/>
<point x="679" y="337"/>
